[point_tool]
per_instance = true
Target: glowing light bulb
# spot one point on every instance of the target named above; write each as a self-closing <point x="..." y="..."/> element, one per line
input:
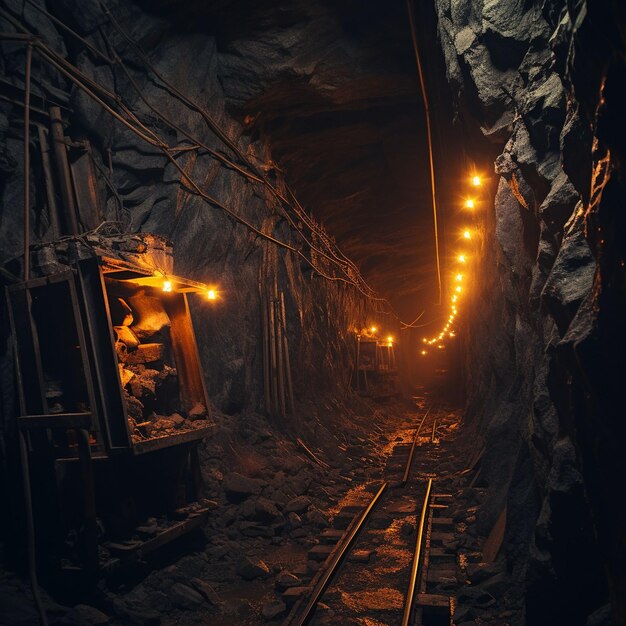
<point x="469" y="203"/>
<point x="462" y="258"/>
<point x="458" y="289"/>
<point x="424" y="352"/>
<point x="441" y="347"/>
<point x="167" y="285"/>
<point x="458" y="278"/>
<point x="467" y="234"/>
<point x="451" y="334"/>
<point x="373" y="329"/>
<point x="454" y="298"/>
<point x="390" y="339"/>
<point x="476" y="181"/>
<point x="211" y="294"/>
<point x="425" y="340"/>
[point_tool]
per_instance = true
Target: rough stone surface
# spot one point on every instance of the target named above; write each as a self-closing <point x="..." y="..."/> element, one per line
<point x="249" y="569"/>
<point x="547" y="303"/>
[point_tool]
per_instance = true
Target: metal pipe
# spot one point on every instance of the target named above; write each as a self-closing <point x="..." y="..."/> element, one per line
<point x="408" y="605"/>
<point x="63" y="169"/>
<point x="29" y="63"/>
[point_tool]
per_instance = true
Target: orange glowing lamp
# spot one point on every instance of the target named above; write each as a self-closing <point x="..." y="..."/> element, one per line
<point x="373" y="329"/>
<point x="467" y="234"/>
<point x="470" y="204"/>
<point x="211" y="294"/>
<point x="476" y="182"/>
<point x="462" y="258"/>
<point x="458" y="278"/>
<point x="167" y="286"/>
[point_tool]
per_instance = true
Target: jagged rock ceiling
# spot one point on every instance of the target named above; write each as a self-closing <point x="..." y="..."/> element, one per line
<point x="334" y="85"/>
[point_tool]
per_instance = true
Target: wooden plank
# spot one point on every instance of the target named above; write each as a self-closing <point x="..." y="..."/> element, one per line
<point x="109" y="396"/>
<point x="87" y="198"/>
<point x="158" y="443"/>
<point x="494" y="540"/>
<point x="287" y="358"/>
<point x="273" y="356"/>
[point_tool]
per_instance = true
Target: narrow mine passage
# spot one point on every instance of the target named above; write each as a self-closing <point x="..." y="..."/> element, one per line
<point x="312" y="312"/>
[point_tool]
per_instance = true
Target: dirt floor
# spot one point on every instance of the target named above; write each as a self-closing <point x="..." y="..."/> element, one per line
<point x="272" y="498"/>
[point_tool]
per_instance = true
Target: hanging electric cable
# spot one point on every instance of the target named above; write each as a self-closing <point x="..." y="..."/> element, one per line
<point x="409" y="4"/>
<point x="125" y="115"/>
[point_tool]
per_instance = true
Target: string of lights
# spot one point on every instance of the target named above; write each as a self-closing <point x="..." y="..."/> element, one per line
<point x="458" y="278"/>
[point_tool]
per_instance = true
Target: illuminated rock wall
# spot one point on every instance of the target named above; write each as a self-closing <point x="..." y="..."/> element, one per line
<point x="545" y="349"/>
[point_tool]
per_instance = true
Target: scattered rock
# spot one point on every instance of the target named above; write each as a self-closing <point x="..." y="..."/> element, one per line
<point x="478" y="572"/>
<point x="265" y="511"/>
<point x="197" y="412"/>
<point x="496" y="585"/>
<point x="298" y="505"/>
<point x="251" y="570"/>
<point x="209" y="594"/>
<point x="273" y="609"/>
<point x="317" y="518"/>
<point x="362" y="556"/>
<point x="185" y="597"/>
<point x="285" y="580"/>
<point x="239" y="487"/>
<point x="294" y="520"/>
<point x="476" y="597"/>
<point x="177" y="420"/>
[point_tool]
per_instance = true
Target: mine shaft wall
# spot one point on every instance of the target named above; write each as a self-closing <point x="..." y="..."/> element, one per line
<point x="321" y="314"/>
<point x="544" y="349"/>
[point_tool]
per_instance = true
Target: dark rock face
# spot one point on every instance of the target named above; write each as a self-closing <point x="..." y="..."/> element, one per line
<point x="145" y="192"/>
<point x="540" y="80"/>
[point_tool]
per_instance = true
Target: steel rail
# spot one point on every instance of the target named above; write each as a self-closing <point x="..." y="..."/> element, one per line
<point x="405" y="478"/>
<point x="324" y="581"/>
<point x="432" y="434"/>
<point x="408" y="606"/>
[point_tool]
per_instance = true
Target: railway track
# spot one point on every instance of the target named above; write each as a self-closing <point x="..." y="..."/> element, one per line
<point x="394" y="521"/>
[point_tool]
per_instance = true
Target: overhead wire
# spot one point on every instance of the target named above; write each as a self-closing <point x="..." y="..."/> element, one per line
<point x="144" y="131"/>
<point x="136" y="126"/>
<point x="411" y="11"/>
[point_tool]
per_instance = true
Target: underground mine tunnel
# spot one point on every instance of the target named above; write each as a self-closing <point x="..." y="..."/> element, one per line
<point x="312" y="313"/>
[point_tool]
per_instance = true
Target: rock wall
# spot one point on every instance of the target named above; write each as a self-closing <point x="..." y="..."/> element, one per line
<point x="545" y="348"/>
<point x="140" y="187"/>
